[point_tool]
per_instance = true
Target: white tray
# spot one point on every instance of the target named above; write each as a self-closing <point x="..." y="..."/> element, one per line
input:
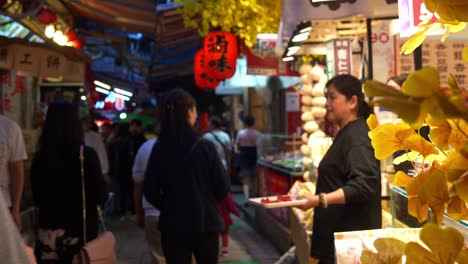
<point x="257" y="202"/>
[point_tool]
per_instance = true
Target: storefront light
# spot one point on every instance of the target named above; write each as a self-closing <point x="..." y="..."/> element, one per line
<point x="292" y="50"/>
<point x="120" y="91"/>
<point x="288" y="58"/>
<point x="300" y="37"/>
<point x="49" y="31"/>
<point x="123" y="115"/>
<point x="103" y="85"/>
<point x="99" y="89"/>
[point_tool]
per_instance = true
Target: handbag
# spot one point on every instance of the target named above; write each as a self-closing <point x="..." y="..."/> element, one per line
<point x="100" y="250"/>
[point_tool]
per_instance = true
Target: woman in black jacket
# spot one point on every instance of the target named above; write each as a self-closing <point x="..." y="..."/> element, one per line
<point x="185" y="179"/>
<point x="56" y="186"/>
<point x="348" y="196"/>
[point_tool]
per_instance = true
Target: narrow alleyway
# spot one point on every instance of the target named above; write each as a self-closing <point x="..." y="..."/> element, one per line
<point x="245" y="246"/>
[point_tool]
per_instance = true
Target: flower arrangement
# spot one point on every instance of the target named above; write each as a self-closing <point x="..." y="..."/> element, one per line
<point x="441" y="185"/>
<point x="244" y="18"/>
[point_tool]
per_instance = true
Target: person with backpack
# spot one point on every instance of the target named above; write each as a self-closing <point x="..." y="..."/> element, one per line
<point x="221" y="140"/>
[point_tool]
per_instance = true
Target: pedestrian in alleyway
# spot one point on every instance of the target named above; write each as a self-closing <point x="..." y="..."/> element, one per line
<point x="348" y="196"/>
<point x="221" y="140"/>
<point x="147" y="217"/>
<point x="57" y="189"/>
<point x="246" y="147"/>
<point x="12" y="156"/>
<point x="186" y="179"/>
<point x="12" y="247"/>
<point x="93" y="140"/>
<point x="226" y="207"/>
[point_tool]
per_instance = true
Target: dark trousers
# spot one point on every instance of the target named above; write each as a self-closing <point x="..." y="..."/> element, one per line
<point x="179" y="247"/>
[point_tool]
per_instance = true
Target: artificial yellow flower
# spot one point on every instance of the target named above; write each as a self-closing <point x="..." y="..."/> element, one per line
<point x="444" y="243"/>
<point x="389" y="251"/>
<point x="388" y="138"/>
<point x="372" y="122"/>
<point x="457" y="209"/>
<point x="422" y="83"/>
<point x="434" y="192"/>
<point x="401" y="179"/>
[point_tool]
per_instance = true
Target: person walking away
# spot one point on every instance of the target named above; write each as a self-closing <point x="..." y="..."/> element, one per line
<point x="12" y="156"/>
<point x="246" y="147"/>
<point x="221" y="140"/>
<point x="57" y="190"/>
<point x="185" y="180"/>
<point x="147" y="217"/>
<point x="348" y="195"/>
<point x="227" y="206"/>
<point x="94" y="140"/>
<point x="12" y="248"/>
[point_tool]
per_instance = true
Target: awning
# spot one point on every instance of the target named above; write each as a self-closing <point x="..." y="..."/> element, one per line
<point x="241" y="80"/>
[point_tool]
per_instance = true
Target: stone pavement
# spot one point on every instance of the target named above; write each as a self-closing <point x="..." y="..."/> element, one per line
<point x="245" y="245"/>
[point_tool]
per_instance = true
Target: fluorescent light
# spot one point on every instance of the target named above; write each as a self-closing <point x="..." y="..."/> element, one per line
<point x="291" y="52"/>
<point x="83" y="98"/>
<point x="307" y="29"/>
<point x="288" y="58"/>
<point x="120" y="91"/>
<point x="300" y="37"/>
<point x="267" y="36"/>
<point x="126" y="98"/>
<point x="103" y="85"/>
<point x="99" y="89"/>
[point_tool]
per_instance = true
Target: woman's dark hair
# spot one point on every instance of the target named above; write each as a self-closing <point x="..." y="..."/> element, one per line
<point x="62" y="129"/>
<point x="249" y="120"/>
<point x="216" y="122"/>
<point x="174" y="116"/>
<point x="350" y="86"/>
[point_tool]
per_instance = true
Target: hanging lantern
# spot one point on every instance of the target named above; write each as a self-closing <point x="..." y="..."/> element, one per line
<point x="202" y="79"/>
<point x="71" y="35"/>
<point x="46" y="16"/>
<point x="78" y="43"/>
<point x="221" y="54"/>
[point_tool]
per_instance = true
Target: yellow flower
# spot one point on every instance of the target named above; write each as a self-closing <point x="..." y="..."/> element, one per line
<point x="444" y="243"/>
<point x="388" y="138"/>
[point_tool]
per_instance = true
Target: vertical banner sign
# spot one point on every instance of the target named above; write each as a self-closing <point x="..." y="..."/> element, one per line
<point x="383" y="52"/>
<point x="6" y="57"/>
<point x="27" y="59"/>
<point x="339" y="57"/>
<point x="52" y="65"/>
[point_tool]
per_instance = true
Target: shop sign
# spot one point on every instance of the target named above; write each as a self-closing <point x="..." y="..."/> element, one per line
<point x="413" y="13"/>
<point x="383" y="52"/>
<point x="339" y="57"/>
<point x="262" y="60"/>
<point x="39" y="61"/>
<point x="26" y="59"/>
<point x="6" y="58"/>
<point x="52" y="65"/>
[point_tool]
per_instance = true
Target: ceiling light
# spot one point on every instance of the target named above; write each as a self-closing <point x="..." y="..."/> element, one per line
<point x="120" y="91"/>
<point x="307" y="29"/>
<point x="83" y="98"/>
<point x="99" y="89"/>
<point x="288" y="58"/>
<point x="126" y="98"/>
<point x="103" y="85"/>
<point x="300" y="37"/>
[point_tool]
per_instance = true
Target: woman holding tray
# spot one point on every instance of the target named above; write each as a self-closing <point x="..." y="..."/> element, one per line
<point x="348" y="196"/>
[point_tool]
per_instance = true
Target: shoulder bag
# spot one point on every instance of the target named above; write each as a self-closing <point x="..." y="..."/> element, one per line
<point x="102" y="249"/>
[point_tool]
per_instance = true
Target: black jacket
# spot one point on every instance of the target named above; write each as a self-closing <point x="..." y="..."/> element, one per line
<point x="349" y="164"/>
<point x="186" y="182"/>
<point x="56" y="187"/>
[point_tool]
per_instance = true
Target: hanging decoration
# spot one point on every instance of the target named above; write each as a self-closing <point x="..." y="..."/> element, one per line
<point x="246" y="18"/>
<point x="202" y="79"/>
<point x="71" y="35"/>
<point x="221" y="51"/>
<point x="46" y="16"/>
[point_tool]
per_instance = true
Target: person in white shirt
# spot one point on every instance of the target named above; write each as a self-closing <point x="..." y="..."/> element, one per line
<point x="94" y="140"/>
<point x="221" y="140"/>
<point x="146" y="215"/>
<point x="12" y="156"/>
<point x="246" y="146"/>
<point x="12" y="247"/>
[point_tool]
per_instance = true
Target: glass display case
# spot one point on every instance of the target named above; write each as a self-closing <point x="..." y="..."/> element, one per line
<point x="280" y="152"/>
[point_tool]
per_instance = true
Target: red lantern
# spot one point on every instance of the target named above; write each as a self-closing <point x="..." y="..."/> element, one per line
<point x="71" y="35"/>
<point x="46" y="16"/>
<point x="221" y="54"/>
<point x="78" y="43"/>
<point x="202" y="79"/>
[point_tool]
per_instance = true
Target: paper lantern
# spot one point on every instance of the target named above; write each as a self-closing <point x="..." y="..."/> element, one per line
<point x="71" y="35"/>
<point x="221" y="54"/>
<point x="78" y="43"/>
<point x="203" y="80"/>
<point x="46" y="16"/>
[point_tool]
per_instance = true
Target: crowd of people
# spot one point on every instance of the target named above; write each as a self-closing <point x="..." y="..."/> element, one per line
<point x="177" y="175"/>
